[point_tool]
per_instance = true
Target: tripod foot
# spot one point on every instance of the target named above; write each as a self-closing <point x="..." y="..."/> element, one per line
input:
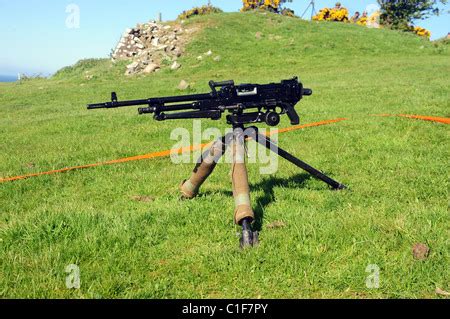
<point x="187" y="190"/>
<point x="248" y="238"/>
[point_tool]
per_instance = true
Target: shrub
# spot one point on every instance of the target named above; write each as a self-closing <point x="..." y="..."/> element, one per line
<point x="421" y="32"/>
<point x="267" y="5"/>
<point x="288" y="13"/>
<point x="199" y="11"/>
<point x="327" y="14"/>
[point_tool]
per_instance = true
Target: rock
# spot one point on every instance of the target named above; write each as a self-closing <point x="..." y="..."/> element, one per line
<point x="155" y="42"/>
<point x="177" y="52"/>
<point x="217" y="58"/>
<point x="140" y="198"/>
<point x="161" y="47"/>
<point x="183" y="85"/>
<point x="420" y="251"/>
<point x="276" y="224"/>
<point x="152" y="67"/>
<point x="164" y="39"/>
<point x="175" y="66"/>
<point x="258" y="35"/>
<point x="441" y="292"/>
<point x="132" y="66"/>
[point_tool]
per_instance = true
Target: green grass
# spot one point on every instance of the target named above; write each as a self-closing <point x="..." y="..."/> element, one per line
<point x="397" y="170"/>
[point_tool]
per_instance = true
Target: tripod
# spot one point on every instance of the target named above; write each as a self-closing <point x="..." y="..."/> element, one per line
<point x="311" y="5"/>
<point x="243" y="214"/>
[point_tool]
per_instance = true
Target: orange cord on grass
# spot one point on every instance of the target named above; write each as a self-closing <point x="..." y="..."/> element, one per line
<point x="157" y="154"/>
<point x="298" y="127"/>
<point x="444" y="120"/>
<point x="121" y="160"/>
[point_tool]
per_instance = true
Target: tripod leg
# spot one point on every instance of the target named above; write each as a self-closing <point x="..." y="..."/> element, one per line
<point x="205" y="166"/>
<point x="263" y="140"/>
<point x="239" y="176"/>
<point x="305" y="10"/>
<point x="243" y="213"/>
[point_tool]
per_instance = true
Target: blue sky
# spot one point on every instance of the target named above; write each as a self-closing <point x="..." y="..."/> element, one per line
<point x="35" y="37"/>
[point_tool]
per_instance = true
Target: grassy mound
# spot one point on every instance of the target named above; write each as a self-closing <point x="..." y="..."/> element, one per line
<point x="163" y="247"/>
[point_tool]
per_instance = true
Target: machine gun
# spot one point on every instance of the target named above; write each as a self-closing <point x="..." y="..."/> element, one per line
<point x="245" y="104"/>
<point x="268" y="101"/>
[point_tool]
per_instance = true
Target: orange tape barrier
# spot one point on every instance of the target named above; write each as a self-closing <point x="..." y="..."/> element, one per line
<point x="158" y="154"/>
<point x="445" y="120"/>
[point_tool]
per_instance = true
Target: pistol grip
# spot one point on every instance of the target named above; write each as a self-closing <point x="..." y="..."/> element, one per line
<point x="292" y="114"/>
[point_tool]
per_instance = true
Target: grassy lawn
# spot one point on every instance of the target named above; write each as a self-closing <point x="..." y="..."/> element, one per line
<point x="396" y="168"/>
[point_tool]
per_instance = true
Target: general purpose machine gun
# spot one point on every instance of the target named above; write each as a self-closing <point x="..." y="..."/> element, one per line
<point x="243" y="104"/>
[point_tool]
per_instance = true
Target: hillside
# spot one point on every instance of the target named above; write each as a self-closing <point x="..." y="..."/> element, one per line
<point x="160" y="247"/>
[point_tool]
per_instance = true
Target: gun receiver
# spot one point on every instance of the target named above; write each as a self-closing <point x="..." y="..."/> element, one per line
<point x="269" y="100"/>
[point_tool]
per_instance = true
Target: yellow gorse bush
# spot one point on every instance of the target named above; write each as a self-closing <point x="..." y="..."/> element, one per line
<point x="272" y="5"/>
<point x="334" y="14"/>
<point x="362" y="21"/>
<point x="422" y="32"/>
<point x="322" y="15"/>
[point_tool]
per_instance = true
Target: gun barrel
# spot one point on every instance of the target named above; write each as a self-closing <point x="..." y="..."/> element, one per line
<point x="98" y="106"/>
<point x="153" y="101"/>
<point x="114" y="104"/>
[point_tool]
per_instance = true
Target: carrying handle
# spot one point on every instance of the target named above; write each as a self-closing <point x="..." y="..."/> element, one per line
<point x="213" y="85"/>
<point x="223" y="83"/>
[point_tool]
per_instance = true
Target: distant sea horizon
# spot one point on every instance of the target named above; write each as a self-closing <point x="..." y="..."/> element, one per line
<point x="8" y="78"/>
